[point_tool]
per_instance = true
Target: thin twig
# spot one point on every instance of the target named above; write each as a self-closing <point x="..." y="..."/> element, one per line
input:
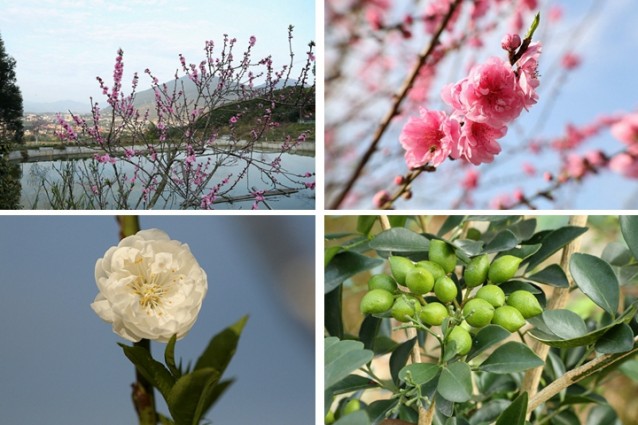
<point x="394" y="109"/>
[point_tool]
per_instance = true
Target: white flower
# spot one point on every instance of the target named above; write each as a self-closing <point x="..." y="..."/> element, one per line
<point x="150" y="287"/>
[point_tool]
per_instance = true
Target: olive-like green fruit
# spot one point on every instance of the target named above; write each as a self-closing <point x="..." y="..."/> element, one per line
<point x="462" y="338"/>
<point x="400" y="267"/>
<point x="433" y="314"/>
<point x="445" y="289"/>
<point x="503" y="268"/>
<point x="492" y="294"/>
<point x="351" y="406"/>
<point x="478" y="312"/>
<point x="382" y="281"/>
<point x="376" y="301"/>
<point x="475" y="273"/>
<point x="473" y="234"/>
<point x="330" y="418"/>
<point x="403" y="310"/>
<point x="435" y="270"/>
<point x="509" y="318"/>
<point x="419" y="281"/>
<point x="442" y="254"/>
<point x="525" y="302"/>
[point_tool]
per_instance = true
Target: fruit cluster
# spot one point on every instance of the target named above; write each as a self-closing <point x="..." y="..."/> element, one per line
<point x="406" y="295"/>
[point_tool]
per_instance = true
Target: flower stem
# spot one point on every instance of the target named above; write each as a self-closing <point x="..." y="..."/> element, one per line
<point x="143" y="396"/>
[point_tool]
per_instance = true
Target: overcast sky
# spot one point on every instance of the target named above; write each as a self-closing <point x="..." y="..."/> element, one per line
<point x="61" y="45"/>
<point x="59" y="363"/>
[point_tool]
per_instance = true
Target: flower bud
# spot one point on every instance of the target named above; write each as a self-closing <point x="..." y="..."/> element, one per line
<point x="511" y="42"/>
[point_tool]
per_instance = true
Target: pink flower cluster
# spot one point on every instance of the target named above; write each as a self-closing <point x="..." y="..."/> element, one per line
<point x="483" y="104"/>
<point x="626" y="130"/>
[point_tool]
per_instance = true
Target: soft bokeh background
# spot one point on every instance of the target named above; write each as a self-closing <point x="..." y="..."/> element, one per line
<point x="59" y="363"/>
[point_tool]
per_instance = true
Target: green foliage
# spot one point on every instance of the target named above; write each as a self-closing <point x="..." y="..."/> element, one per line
<point x="472" y="366"/>
<point x="189" y="394"/>
<point x="11" y="112"/>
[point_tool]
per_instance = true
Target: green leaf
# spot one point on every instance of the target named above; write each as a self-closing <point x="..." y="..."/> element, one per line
<point x="398" y="220"/>
<point x="352" y="383"/>
<point x="169" y="357"/>
<point x="455" y="383"/>
<point x="400" y="357"/>
<point x="190" y="395"/>
<point x="346" y="264"/>
<point x="360" y="417"/>
<point x="216" y="392"/>
<point x="618" y="339"/>
<point x="369" y="330"/>
<point x="164" y="420"/>
<point x="629" y="230"/>
<point x="332" y="312"/>
<point x="222" y="347"/>
<point x="468" y="247"/>
<point x="616" y="254"/>
<point x="420" y="372"/>
<point x="399" y="239"/>
<point x="564" y="323"/>
<point x="630" y="369"/>
<point x="365" y="223"/>
<point x="341" y="358"/>
<point x="552" y="275"/>
<point x="450" y="223"/>
<point x="486" y="338"/>
<point x="152" y="370"/>
<point x="515" y="412"/>
<point x="524" y="251"/>
<point x="552" y="242"/>
<point x="523" y="230"/>
<point x="511" y="357"/>
<point x="597" y="280"/>
<point x="329" y="253"/>
<point x="378" y="409"/>
<point x="603" y="414"/>
<point x="503" y="241"/>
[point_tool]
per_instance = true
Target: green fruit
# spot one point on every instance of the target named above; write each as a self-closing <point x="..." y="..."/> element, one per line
<point x="473" y="234"/>
<point x="435" y="270"/>
<point x="445" y="289"/>
<point x="330" y="418"/>
<point x="503" y="268"/>
<point x="419" y="281"/>
<point x="476" y="272"/>
<point x="403" y="310"/>
<point x="525" y="302"/>
<point x="376" y="301"/>
<point x="382" y="281"/>
<point x="400" y="267"/>
<point x="492" y="294"/>
<point x="462" y="338"/>
<point x="509" y="318"/>
<point x="442" y="254"/>
<point x="478" y="312"/>
<point x="433" y="314"/>
<point x="351" y="406"/>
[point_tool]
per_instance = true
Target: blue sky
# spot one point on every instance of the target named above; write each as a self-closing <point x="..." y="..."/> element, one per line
<point x="61" y="45"/>
<point x="59" y="363"/>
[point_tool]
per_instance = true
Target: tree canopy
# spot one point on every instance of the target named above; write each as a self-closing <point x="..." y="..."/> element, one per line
<point x="10" y="100"/>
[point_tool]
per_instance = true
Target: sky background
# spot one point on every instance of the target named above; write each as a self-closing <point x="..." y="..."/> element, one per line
<point x="59" y="363"/>
<point x="61" y="45"/>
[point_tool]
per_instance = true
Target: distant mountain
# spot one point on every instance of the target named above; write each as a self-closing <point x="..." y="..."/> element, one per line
<point x="61" y="106"/>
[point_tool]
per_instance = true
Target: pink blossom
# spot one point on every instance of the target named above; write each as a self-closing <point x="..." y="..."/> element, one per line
<point x="428" y="138"/>
<point x="570" y="61"/>
<point x="435" y="12"/>
<point x="380" y="198"/>
<point x="489" y="95"/>
<point x="501" y="202"/>
<point x="511" y="42"/>
<point x="555" y="13"/>
<point x="626" y="130"/>
<point x="233" y="120"/>
<point x="477" y="143"/>
<point x="575" y="166"/>
<point x="252" y="40"/>
<point x="471" y="179"/>
<point x="625" y="164"/>
<point x="528" y="73"/>
<point x="529" y="169"/>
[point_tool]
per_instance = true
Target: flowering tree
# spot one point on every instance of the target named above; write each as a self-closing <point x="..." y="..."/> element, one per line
<point x="402" y="131"/>
<point x="176" y="152"/>
<point x="151" y="288"/>
<point x="478" y="319"/>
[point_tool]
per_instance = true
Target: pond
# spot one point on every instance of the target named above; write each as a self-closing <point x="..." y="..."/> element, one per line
<point x="33" y="197"/>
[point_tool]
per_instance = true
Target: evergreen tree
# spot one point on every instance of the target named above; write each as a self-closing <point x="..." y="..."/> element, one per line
<point x="10" y="101"/>
<point x="10" y="131"/>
